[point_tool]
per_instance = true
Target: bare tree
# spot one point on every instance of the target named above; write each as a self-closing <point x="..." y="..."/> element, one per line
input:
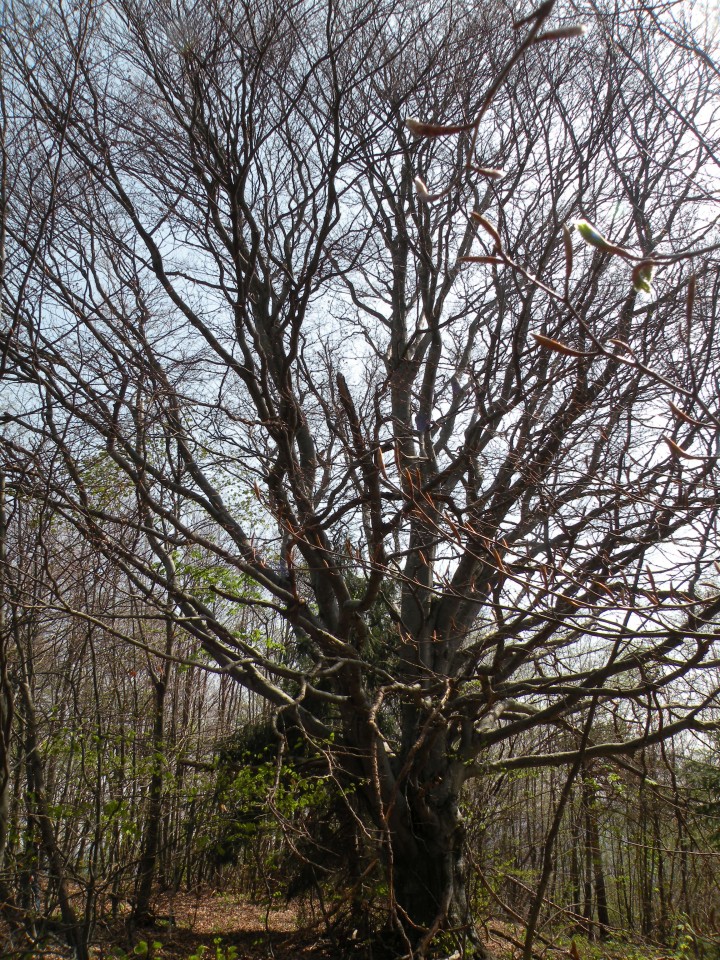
<point x="254" y="315"/>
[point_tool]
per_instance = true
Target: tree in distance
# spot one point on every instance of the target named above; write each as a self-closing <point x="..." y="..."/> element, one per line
<point x="395" y="328"/>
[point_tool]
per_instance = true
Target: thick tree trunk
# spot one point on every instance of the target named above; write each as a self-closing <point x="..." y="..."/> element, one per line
<point x="427" y="867"/>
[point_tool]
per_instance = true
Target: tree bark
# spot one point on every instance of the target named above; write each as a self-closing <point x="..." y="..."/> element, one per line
<point x="427" y="867"/>
<point x="6" y="698"/>
<point x="9" y="910"/>
<point x="151" y="837"/>
<point x="142" y="913"/>
<point x="73" y="929"/>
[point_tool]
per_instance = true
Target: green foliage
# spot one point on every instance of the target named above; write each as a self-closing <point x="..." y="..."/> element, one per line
<point x="690" y="944"/>
<point x="704" y="778"/>
<point x="686" y="941"/>
<point x="615" y="949"/>
<point x="228" y="952"/>
<point x="249" y="775"/>
<point x="150" y="950"/>
<point x="209" y="580"/>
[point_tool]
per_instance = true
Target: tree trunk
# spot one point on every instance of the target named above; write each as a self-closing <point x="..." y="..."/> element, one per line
<point x="595" y="861"/>
<point x="9" y="911"/>
<point x="575" y="878"/>
<point x="37" y="796"/>
<point x="147" y="866"/>
<point x="600" y="885"/>
<point x="142" y="913"/>
<point x="6" y="696"/>
<point x="426" y="866"/>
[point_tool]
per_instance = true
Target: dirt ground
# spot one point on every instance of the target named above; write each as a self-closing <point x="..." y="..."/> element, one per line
<point x="186" y="923"/>
<point x="219" y="921"/>
<point x="229" y="927"/>
<point x="214" y="921"/>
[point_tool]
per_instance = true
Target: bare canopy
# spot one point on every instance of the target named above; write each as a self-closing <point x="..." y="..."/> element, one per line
<point x="268" y="345"/>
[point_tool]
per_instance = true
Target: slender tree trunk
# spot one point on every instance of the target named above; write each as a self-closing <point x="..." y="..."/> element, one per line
<point x="6" y="702"/>
<point x="6" y="698"/>
<point x="151" y="836"/>
<point x="9" y="910"/>
<point x="594" y="862"/>
<point x="575" y="871"/>
<point x="600" y="885"/>
<point x="663" y="927"/>
<point x="587" y="883"/>
<point x="647" y="877"/>
<point x="147" y="867"/>
<point x="36" y="788"/>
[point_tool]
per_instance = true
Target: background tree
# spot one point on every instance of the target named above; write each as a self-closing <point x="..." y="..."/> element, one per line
<point x="234" y="271"/>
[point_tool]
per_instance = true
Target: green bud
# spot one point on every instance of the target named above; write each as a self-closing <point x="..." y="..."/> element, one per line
<point x="642" y="276"/>
<point x="592" y="236"/>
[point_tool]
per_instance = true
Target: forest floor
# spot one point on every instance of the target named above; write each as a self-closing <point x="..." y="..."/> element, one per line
<point x="225" y="926"/>
<point x="220" y="921"/>
<point x="211" y="926"/>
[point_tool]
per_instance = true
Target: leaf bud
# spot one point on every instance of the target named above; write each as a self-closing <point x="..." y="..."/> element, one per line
<point x="642" y="277"/>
